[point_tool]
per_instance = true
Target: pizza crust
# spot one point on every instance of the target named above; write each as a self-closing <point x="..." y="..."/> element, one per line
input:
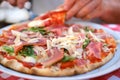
<point x="14" y="64"/>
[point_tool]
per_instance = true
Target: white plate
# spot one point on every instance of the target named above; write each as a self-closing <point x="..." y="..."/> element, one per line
<point x="105" y="69"/>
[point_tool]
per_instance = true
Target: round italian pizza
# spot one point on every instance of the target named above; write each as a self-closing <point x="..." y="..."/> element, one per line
<point x="46" y="46"/>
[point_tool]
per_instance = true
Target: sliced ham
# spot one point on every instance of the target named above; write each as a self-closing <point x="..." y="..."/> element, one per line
<point x="94" y="49"/>
<point x="8" y="34"/>
<point x="56" y="56"/>
<point x="76" y="27"/>
<point x="57" y="30"/>
<point x="50" y="18"/>
<point x="6" y="40"/>
<point x="40" y="42"/>
<point x="19" y="46"/>
<point x="81" y="36"/>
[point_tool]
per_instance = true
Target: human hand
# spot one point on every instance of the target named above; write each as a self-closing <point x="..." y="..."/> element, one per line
<point x="81" y="8"/>
<point x="19" y="3"/>
<point x="107" y="10"/>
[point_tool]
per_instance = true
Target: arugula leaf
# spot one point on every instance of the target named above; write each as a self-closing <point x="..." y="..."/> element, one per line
<point x="8" y="49"/>
<point x="67" y="58"/>
<point x="85" y="43"/>
<point x="38" y="29"/>
<point x="27" y="51"/>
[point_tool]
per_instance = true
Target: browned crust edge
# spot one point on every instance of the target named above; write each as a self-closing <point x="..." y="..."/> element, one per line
<point x="15" y="65"/>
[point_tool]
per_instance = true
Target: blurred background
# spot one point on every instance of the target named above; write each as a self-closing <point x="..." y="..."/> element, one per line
<point x="10" y="14"/>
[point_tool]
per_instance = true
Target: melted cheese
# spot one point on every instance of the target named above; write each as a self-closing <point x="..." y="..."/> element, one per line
<point x="29" y="59"/>
<point x="78" y="53"/>
<point x="70" y="31"/>
<point x="36" y="23"/>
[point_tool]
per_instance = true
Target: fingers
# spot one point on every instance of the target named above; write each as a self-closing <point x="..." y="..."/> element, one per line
<point x="88" y="8"/>
<point x="76" y="7"/>
<point x="68" y="4"/>
<point x="94" y="14"/>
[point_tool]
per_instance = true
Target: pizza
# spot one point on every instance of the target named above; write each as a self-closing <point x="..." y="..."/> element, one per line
<point x="46" y="46"/>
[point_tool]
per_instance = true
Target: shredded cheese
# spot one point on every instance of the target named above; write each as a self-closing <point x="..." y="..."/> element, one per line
<point x="34" y="40"/>
<point x="97" y="39"/>
<point x="17" y="33"/>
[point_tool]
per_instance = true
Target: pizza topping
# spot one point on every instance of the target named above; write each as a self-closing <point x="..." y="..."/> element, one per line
<point x="28" y="64"/>
<point x="27" y="51"/>
<point x="89" y="29"/>
<point x="17" y="33"/>
<point x="78" y="53"/>
<point x="56" y="56"/>
<point x="67" y="58"/>
<point x="94" y="37"/>
<point x="105" y="48"/>
<point x="19" y="27"/>
<point x="85" y="43"/>
<point x="29" y="59"/>
<point x="70" y="31"/>
<point x="38" y="29"/>
<point x="8" y="49"/>
<point x="68" y="64"/>
<point x="39" y="23"/>
<point x="95" y="49"/>
<point x="65" y="42"/>
<point x="8" y="34"/>
<point x="76" y="27"/>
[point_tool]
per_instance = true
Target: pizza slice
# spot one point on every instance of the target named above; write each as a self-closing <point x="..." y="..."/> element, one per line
<point x="56" y="17"/>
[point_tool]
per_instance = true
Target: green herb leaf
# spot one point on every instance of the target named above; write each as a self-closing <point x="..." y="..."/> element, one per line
<point x="85" y="43"/>
<point x="87" y="29"/>
<point x="38" y="29"/>
<point x="8" y="49"/>
<point x="67" y="58"/>
<point x="27" y="51"/>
